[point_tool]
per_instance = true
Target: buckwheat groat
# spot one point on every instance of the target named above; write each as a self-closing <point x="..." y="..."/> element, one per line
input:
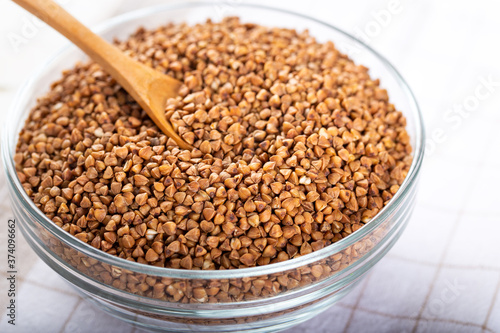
<point x="296" y="147"/>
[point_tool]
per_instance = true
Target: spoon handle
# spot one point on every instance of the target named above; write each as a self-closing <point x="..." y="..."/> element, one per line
<point x="137" y="79"/>
<point x="105" y="54"/>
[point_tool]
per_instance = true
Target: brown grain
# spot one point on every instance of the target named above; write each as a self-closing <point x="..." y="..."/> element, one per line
<point x="296" y="147"/>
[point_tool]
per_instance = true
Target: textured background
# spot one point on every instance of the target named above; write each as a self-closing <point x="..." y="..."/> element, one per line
<point x="444" y="273"/>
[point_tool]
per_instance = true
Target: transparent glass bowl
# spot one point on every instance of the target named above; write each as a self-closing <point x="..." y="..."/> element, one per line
<point x="259" y="299"/>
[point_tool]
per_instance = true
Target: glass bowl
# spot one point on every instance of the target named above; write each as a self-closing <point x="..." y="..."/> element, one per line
<point x="258" y="299"/>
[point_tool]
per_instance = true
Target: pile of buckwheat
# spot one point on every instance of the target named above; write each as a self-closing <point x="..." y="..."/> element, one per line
<point x="296" y="147"/>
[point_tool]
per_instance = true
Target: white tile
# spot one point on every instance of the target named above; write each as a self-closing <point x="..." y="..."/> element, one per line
<point x="494" y="319"/>
<point x="397" y="37"/>
<point x="436" y="58"/>
<point x="469" y="148"/>
<point x="445" y="185"/>
<point x="428" y="225"/>
<point x="41" y="310"/>
<point x="397" y="287"/>
<point x="428" y="326"/>
<point x="464" y="140"/>
<point x="101" y="321"/>
<point x="461" y="295"/>
<point x="485" y="27"/>
<point x="491" y="157"/>
<point x="41" y="42"/>
<point x="331" y="321"/>
<point x="368" y="322"/>
<point x="483" y="197"/>
<point x="50" y="278"/>
<point x="473" y="245"/>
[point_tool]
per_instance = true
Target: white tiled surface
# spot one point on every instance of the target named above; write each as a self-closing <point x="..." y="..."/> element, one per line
<point x="438" y="326"/>
<point x="456" y="292"/>
<point x="51" y="307"/>
<point x="369" y="322"/>
<point x="87" y="313"/>
<point x="444" y="192"/>
<point x="443" y="49"/>
<point x="388" y="292"/>
<point x="484" y="254"/>
<point x="414" y="243"/>
<point x="494" y="320"/>
<point x="323" y="325"/>
<point x="43" y="276"/>
<point x="484" y="198"/>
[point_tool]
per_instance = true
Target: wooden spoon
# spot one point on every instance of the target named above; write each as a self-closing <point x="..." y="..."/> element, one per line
<point x="147" y="86"/>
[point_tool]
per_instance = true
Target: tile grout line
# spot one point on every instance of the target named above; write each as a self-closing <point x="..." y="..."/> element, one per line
<point x="37" y="284"/>
<point x="358" y="300"/>
<point x="26" y="281"/>
<point x="492" y="304"/>
<point x="63" y="329"/>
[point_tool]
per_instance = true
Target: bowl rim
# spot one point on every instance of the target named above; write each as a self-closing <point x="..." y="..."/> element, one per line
<point x="10" y="136"/>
